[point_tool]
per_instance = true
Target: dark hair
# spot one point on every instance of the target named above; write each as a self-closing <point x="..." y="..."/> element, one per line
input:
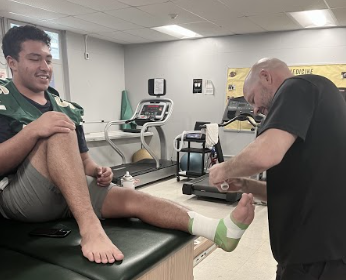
<point x="13" y="39"/>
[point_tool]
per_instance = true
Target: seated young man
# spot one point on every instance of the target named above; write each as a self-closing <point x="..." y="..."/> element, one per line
<point x="46" y="172"/>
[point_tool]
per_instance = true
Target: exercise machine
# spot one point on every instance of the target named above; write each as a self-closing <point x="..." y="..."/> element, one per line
<point x="151" y="112"/>
<point x="343" y="92"/>
<point x="237" y="109"/>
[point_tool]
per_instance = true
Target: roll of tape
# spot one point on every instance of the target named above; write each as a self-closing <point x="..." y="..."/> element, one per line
<point x="224" y="186"/>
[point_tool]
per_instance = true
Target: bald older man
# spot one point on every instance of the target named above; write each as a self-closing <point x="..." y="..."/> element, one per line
<point x="302" y="146"/>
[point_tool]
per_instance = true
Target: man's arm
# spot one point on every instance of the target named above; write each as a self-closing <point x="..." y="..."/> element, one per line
<point x="16" y="149"/>
<point x="257" y="188"/>
<point x="90" y="167"/>
<point x="104" y="175"/>
<point x="266" y="151"/>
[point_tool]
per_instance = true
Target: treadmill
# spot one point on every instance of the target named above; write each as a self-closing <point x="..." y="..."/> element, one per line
<point x="151" y="112"/>
<point x="237" y="109"/>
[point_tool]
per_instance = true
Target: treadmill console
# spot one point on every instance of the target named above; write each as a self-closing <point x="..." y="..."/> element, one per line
<point x="239" y="106"/>
<point x="152" y="111"/>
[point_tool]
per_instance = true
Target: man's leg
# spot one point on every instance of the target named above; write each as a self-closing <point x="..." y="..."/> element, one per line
<point x="326" y="270"/>
<point x="122" y="202"/>
<point x="58" y="159"/>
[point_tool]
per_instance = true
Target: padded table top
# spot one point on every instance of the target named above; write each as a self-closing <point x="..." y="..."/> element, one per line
<point x="27" y="257"/>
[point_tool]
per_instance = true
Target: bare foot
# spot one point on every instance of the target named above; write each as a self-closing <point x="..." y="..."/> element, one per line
<point x="97" y="247"/>
<point x="245" y="211"/>
<point x="230" y="229"/>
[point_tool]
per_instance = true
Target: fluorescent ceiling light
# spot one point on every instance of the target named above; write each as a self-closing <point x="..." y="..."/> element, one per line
<point x="177" y="31"/>
<point x="316" y="18"/>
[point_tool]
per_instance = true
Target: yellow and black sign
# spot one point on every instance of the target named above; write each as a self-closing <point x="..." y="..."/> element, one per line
<point x="236" y="76"/>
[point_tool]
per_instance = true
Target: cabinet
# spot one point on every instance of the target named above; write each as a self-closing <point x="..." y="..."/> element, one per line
<point x="190" y="149"/>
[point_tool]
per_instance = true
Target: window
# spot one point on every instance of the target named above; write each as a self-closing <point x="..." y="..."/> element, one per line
<point x="55" y="40"/>
<point x="56" y="51"/>
<point x="54" y="46"/>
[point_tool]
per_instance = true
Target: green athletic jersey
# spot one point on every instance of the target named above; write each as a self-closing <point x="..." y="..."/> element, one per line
<point x="15" y="106"/>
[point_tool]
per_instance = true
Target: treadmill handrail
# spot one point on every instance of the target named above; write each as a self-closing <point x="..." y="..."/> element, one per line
<point x="144" y="128"/>
<point x="157" y="124"/>
<point x="241" y="117"/>
<point x="110" y="142"/>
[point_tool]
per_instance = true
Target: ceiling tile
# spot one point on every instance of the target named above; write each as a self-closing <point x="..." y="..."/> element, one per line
<point x="302" y="5"/>
<point x="61" y="6"/>
<point x="207" y="29"/>
<point x="151" y="34"/>
<point x="3" y="3"/>
<point x="241" y="25"/>
<point x="58" y="26"/>
<point x="48" y="24"/>
<point x="251" y="7"/>
<point x="28" y="11"/>
<point x="89" y="27"/>
<point x="22" y="18"/>
<point x="126" y="37"/>
<point x="101" y="5"/>
<point x="104" y="37"/>
<point x="340" y="15"/>
<point x="336" y="3"/>
<point x="208" y="10"/>
<point x="275" y="22"/>
<point x="136" y="16"/>
<point x="109" y="21"/>
<point x="107" y="18"/>
<point x="141" y="2"/>
<point x="166" y="12"/>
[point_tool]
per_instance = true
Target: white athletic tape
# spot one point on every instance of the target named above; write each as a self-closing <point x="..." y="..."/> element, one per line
<point x="203" y="226"/>
<point x="233" y="231"/>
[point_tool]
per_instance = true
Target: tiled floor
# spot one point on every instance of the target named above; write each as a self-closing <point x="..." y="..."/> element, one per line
<point x="252" y="260"/>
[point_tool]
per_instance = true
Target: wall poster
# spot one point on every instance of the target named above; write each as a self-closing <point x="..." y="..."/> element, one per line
<point x="236" y="76"/>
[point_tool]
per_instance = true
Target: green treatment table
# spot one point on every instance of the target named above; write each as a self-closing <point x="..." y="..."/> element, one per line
<point x="150" y="253"/>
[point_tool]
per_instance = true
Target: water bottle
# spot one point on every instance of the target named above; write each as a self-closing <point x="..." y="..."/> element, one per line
<point x="127" y="181"/>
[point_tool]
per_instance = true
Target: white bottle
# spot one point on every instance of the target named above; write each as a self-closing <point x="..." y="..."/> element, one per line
<point x="127" y="181"/>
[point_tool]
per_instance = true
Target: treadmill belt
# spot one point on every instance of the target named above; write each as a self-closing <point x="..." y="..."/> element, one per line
<point x="203" y="183"/>
<point x="200" y="187"/>
<point x="134" y="170"/>
<point x="139" y="168"/>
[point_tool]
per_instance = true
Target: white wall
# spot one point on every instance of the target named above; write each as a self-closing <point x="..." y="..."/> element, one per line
<point x="58" y="76"/>
<point x="181" y="61"/>
<point x="2" y="59"/>
<point x="96" y="83"/>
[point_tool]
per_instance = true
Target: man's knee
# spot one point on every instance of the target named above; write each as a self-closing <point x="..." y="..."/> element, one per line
<point x="58" y="141"/>
<point x="63" y="139"/>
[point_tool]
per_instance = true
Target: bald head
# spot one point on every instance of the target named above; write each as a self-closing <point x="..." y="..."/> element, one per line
<point x="263" y="80"/>
<point x="276" y="67"/>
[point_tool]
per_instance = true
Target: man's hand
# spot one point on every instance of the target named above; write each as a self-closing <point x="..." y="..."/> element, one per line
<point x="50" y="123"/>
<point x="217" y="174"/>
<point x="104" y="176"/>
<point x="234" y="185"/>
